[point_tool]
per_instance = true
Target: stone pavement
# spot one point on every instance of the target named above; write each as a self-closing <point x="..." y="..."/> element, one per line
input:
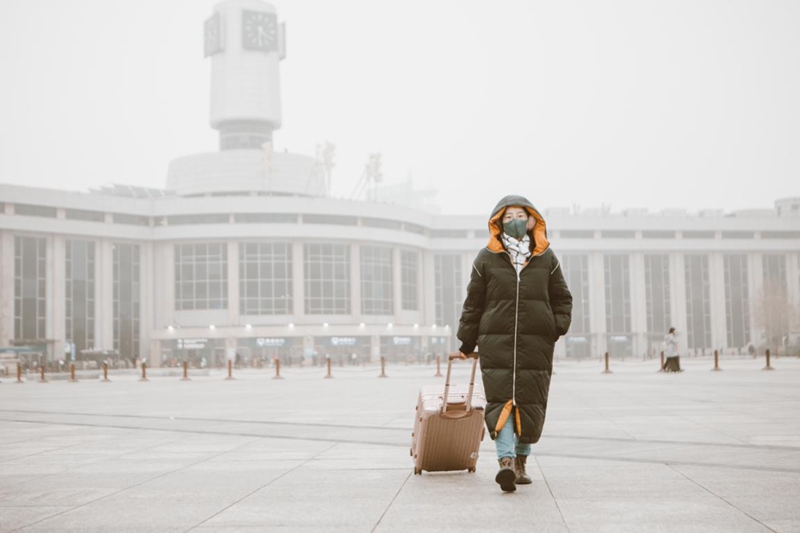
<point x="634" y="451"/>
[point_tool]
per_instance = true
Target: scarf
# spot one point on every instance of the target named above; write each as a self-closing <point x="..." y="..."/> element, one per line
<point x="520" y="250"/>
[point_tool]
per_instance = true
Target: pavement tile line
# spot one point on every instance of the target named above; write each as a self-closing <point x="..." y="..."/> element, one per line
<point x="632" y="439"/>
<point x="723" y="499"/>
<point x="402" y="486"/>
<point x="549" y="490"/>
<point x="133" y="486"/>
<point x="267" y="484"/>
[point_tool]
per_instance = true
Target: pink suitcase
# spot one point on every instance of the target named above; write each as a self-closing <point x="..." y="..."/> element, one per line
<point x="448" y="428"/>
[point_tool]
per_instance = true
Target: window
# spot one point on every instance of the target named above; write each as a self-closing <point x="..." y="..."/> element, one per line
<point x="656" y="275"/>
<point x="338" y="220"/>
<point x="131" y="220"/>
<point x="449" y="288"/>
<point x="575" y="268"/>
<point x="576" y="234"/>
<point x="617" y="234"/>
<point x="775" y="269"/>
<point x="698" y="301"/>
<point x="30" y="287"/>
<point x="265" y="218"/>
<point x="376" y="280"/>
<point x="209" y="218"/>
<point x="737" y="300"/>
<point x="265" y="278"/>
<point x="409" y="274"/>
<point x="79" y="294"/>
<point x="80" y="214"/>
<point x="327" y="279"/>
<point x="201" y="276"/>
<point x="380" y="223"/>
<point x="34" y="211"/>
<point x="618" y="294"/>
<point x="127" y="302"/>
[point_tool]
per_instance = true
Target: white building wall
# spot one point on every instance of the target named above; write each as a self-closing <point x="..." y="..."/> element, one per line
<point x="6" y="287"/>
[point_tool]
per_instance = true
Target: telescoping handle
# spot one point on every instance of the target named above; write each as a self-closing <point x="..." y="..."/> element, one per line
<point x="450" y="360"/>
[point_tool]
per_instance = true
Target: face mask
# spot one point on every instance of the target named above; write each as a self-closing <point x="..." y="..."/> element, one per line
<point x="515" y="228"/>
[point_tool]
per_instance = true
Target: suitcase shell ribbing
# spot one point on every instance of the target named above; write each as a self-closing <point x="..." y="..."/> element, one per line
<point x="448" y="439"/>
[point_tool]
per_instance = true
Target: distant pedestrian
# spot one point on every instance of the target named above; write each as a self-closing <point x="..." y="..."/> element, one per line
<point x="673" y="360"/>
<point x="517" y="306"/>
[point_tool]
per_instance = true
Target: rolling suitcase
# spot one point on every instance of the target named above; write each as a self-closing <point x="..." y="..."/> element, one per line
<point x="448" y="427"/>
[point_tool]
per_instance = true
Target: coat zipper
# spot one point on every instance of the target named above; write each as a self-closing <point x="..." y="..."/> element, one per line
<point x="516" y="324"/>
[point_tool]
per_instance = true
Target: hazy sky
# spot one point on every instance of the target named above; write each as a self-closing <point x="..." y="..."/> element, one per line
<point x="633" y="103"/>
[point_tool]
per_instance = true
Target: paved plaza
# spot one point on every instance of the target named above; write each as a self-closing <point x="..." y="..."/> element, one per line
<point x="631" y="451"/>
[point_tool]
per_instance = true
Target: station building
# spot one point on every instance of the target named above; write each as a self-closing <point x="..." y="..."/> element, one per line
<point x="245" y="251"/>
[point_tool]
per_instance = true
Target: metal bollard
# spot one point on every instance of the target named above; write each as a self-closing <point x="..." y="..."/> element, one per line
<point x="606" y="371"/>
<point x="42" y="378"/>
<point x="72" y="378"/>
<point x="716" y="361"/>
<point x="768" y="367"/>
<point x="185" y="371"/>
<point x="661" y="368"/>
<point x="19" y="373"/>
<point x="230" y="371"/>
<point x="105" y="373"/>
<point x="144" y="372"/>
<point x="383" y="368"/>
<point x="438" y="367"/>
<point x="277" y="368"/>
<point x="328" y="362"/>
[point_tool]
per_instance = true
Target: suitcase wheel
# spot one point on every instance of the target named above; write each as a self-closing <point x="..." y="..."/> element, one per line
<point x="471" y="470"/>
<point x="417" y="471"/>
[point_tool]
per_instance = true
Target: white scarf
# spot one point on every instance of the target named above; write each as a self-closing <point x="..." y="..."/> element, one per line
<point x="520" y="250"/>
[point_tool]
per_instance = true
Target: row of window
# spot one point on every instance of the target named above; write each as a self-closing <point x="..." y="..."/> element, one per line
<point x="266" y="278"/>
<point x="697" y="281"/>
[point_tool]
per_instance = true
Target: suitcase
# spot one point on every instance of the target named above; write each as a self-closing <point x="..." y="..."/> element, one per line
<point x="448" y="427"/>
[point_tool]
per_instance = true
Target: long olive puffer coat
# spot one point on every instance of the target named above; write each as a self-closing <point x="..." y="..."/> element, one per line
<point x="515" y="322"/>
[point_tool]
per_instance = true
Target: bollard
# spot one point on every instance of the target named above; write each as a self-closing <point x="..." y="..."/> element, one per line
<point x="230" y="371"/>
<point x="661" y="369"/>
<point x="19" y="373"/>
<point x="438" y="367"/>
<point x="383" y="368"/>
<point x="716" y="361"/>
<point x="72" y="378"/>
<point x="144" y="372"/>
<point x="768" y="367"/>
<point x="607" y="371"/>
<point x="185" y="371"/>
<point x="42" y="378"/>
<point x="277" y="368"/>
<point x="105" y="374"/>
<point x="328" y="361"/>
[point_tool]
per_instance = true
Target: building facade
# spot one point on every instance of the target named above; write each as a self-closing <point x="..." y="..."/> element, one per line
<point x="244" y="252"/>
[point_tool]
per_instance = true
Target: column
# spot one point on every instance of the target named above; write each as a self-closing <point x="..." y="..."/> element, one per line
<point x="233" y="283"/>
<point x="56" y="299"/>
<point x="355" y="282"/>
<point x="147" y="304"/>
<point x="638" y="304"/>
<point x="755" y="270"/>
<point x="6" y="286"/>
<point x="719" y="323"/>
<point x="298" y="286"/>
<point x="677" y="290"/>
<point x="597" y="303"/>
<point x="163" y="294"/>
<point x="104" y="295"/>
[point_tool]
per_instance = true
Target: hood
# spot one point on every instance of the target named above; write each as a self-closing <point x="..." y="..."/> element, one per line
<point x="496" y="224"/>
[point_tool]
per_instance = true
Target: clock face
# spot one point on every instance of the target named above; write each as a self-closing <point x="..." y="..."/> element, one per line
<point x="259" y="31"/>
<point x="212" y="42"/>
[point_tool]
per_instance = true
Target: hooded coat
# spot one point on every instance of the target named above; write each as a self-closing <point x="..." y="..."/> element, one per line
<point x="515" y="320"/>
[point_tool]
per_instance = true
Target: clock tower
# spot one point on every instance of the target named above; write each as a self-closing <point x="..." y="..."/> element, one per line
<point x="246" y="43"/>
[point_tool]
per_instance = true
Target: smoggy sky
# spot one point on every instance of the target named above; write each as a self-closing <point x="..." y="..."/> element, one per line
<point x="688" y="103"/>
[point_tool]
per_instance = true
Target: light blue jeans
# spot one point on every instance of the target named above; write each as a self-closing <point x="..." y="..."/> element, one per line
<point x="507" y="442"/>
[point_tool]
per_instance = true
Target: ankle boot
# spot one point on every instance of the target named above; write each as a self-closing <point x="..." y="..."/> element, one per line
<point x="519" y="468"/>
<point x="506" y="476"/>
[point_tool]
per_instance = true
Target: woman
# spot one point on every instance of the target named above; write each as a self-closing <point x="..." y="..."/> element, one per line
<point x="517" y="306"/>
<point x="673" y="361"/>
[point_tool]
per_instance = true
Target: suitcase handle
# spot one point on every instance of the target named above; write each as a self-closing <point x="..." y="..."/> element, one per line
<point x="447" y="381"/>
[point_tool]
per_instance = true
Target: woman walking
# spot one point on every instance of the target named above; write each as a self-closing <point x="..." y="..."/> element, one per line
<point x="517" y="306"/>
<point x="673" y="360"/>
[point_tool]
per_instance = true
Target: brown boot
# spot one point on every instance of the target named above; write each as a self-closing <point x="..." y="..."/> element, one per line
<point x="519" y="467"/>
<point x="506" y="476"/>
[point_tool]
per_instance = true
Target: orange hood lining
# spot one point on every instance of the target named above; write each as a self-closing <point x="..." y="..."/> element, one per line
<point x="539" y="231"/>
